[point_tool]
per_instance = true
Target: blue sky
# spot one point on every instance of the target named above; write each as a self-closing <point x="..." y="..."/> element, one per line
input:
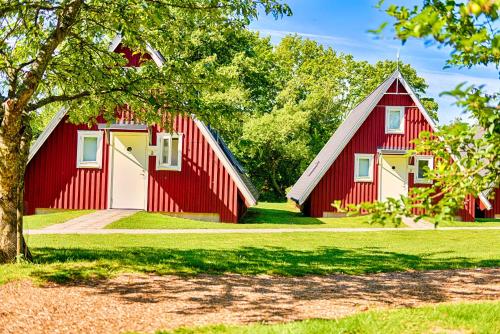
<point x="343" y="25"/>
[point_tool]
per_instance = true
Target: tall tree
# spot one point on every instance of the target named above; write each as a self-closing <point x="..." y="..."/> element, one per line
<point x="56" y="51"/>
<point x="310" y="88"/>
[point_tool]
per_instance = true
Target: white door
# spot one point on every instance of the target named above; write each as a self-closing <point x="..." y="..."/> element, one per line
<point x="129" y="165"/>
<point x="393" y="176"/>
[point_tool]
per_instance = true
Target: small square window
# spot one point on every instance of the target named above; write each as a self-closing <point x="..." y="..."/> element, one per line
<point x="89" y="150"/>
<point x="169" y="155"/>
<point x="363" y="167"/>
<point x="394" y="120"/>
<point x="423" y="163"/>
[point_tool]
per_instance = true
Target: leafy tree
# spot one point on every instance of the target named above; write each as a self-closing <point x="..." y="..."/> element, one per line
<point x="314" y="87"/>
<point x="56" y="51"/>
<point x="467" y="157"/>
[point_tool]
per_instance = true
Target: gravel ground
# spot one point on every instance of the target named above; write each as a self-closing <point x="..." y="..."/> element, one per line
<point x="148" y="303"/>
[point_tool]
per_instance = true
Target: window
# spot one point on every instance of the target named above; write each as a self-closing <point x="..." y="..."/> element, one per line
<point x="423" y="163"/>
<point x="363" y="167"/>
<point x="89" y="151"/>
<point x="394" y="119"/>
<point x="169" y="156"/>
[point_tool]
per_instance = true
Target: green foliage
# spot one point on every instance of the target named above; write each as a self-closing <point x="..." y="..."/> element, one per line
<point x="467" y="157"/>
<point x="63" y="45"/>
<point x="306" y="91"/>
<point x="467" y="27"/>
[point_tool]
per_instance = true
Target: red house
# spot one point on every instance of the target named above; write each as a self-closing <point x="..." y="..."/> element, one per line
<point x="365" y="160"/>
<point x="188" y="171"/>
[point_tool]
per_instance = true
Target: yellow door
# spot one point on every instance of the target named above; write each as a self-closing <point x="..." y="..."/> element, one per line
<point x="129" y="170"/>
<point x="393" y="176"/>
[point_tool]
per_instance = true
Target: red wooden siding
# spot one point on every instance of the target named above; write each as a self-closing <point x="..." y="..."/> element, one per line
<point x="338" y="182"/>
<point x="468" y="212"/>
<point x="53" y="181"/>
<point x="134" y="59"/>
<point x="203" y="185"/>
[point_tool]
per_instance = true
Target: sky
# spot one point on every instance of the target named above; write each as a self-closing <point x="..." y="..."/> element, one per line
<point x="343" y="25"/>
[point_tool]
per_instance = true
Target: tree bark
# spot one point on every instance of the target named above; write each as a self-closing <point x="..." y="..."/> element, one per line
<point x="14" y="149"/>
<point x="274" y="181"/>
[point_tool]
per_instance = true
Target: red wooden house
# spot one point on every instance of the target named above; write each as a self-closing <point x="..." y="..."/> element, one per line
<point x="365" y="159"/>
<point x="188" y="171"/>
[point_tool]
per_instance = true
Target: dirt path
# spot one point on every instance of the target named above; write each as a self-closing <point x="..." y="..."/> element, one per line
<point x="148" y="303"/>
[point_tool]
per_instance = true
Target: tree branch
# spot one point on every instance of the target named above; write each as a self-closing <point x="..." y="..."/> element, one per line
<point x="66" y="98"/>
<point x="67" y="19"/>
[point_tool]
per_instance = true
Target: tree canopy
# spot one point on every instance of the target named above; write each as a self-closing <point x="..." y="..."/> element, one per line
<point x="467" y="156"/>
<point x="57" y="51"/>
<point x="301" y="92"/>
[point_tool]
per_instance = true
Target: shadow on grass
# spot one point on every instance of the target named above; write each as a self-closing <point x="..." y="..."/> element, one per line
<point x="71" y="264"/>
<point x="277" y="216"/>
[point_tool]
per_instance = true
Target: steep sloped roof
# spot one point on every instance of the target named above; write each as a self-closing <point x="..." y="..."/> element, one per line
<point x="332" y="149"/>
<point x="233" y="167"/>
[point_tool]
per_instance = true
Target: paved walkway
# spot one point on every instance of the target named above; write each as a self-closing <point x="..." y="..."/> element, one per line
<point x="421" y="224"/>
<point x="93" y="221"/>
<point x="244" y="231"/>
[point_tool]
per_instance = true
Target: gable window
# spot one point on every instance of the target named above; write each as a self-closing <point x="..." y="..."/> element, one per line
<point x="89" y="151"/>
<point x="169" y="154"/>
<point x="394" y="119"/>
<point x="363" y="167"/>
<point x="423" y="163"/>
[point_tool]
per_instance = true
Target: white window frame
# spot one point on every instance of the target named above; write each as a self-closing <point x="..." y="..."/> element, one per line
<point x="160" y="137"/>
<point x="401" y="129"/>
<point x="418" y="158"/>
<point x="357" y="177"/>
<point x="82" y="134"/>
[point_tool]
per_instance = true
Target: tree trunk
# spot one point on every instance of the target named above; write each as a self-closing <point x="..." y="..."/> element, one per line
<point x="14" y="149"/>
<point x="274" y="181"/>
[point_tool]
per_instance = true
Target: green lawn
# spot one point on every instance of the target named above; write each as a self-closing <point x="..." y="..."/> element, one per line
<point x="74" y="257"/>
<point x="35" y="222"/>
<point x="477" y="223"/>
<point x="445" y="318"/>
<point x="264" y="215"/>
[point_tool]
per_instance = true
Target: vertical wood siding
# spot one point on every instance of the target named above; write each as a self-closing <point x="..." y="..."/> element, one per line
<point x="203" y="185"/>
<point x="53" y="181"/>
<point x="338" y="182"/>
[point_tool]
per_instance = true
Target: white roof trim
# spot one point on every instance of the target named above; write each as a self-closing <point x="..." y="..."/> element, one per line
<point x="249" y="197"/>
<point x="343" y="136"/>
<point x="485" y="200"/>
<point x="155" y="54"/>
<point x="46" y="132"/>
<point x="115" y="42"/>
<point x="415" y="98"/>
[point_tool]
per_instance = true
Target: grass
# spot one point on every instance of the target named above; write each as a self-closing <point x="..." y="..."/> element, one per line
<point x="478" y="223"/>
<point x="36" y="222"/>
<point x="264" y="215"/>
<point x="445" y="318"/>
<point x="65" y="258"/>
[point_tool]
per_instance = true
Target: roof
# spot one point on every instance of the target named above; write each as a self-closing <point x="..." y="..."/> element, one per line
<point x="247" y="188"/>
<point x="233" y="167"/>
<point x="344" y="133"/>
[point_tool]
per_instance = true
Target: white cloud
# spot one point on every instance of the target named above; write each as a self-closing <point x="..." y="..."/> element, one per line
<point x="326" y="39"/>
